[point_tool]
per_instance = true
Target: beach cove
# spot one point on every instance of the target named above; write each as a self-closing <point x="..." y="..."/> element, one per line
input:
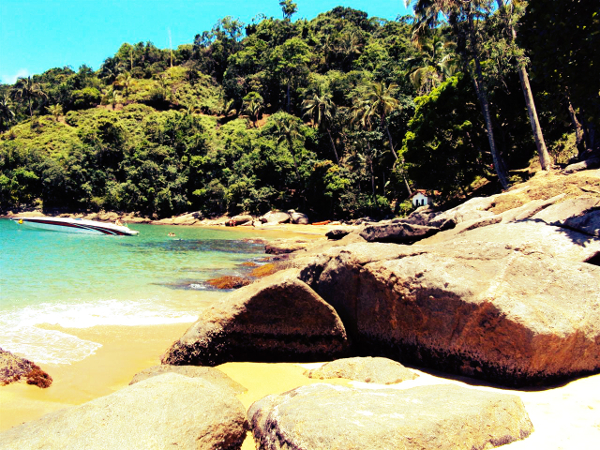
<point x="564" y="416"/>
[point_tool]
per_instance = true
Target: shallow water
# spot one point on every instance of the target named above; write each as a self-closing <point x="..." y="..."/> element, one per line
<point x="79" y="281"/>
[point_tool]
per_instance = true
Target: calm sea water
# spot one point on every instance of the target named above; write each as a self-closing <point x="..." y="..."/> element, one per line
<point x="79" y="281"/>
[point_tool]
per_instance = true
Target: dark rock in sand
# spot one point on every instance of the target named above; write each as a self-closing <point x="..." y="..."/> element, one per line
<point x="278" y="318"/>
<point x="168" y="411"/>
<point x="369" y="370"/>
<point x="210" y="374"/>
<point x="338" y="233"/>
<point x="443" y="417"/>
<point x="13" y="368"/>
<point x="398" y="232"/>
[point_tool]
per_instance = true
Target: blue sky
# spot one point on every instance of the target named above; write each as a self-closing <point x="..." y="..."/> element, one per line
<point x="37" y="35"/>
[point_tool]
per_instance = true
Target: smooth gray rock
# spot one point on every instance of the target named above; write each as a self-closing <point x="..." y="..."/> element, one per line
<point x="366" y="369"/>
<point x="275" y="217"/>
<point x="278" y="318"/>
<point x="443" y="417"/>
<point x="298" y="218"/>
<point x="574" y="207"/>
<point x="210" y="374"/>
<point x="476" y="208"/>
<point x="588" y="223"/>
<point x="168" y="411"/>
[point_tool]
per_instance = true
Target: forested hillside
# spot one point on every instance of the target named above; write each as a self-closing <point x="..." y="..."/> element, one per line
<point x="340" y="116"/>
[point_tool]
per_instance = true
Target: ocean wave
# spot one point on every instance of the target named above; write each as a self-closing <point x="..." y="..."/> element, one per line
<point x="19" y="331"/>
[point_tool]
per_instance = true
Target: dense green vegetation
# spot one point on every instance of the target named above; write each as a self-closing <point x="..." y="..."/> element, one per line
<point x="340" y="116"/>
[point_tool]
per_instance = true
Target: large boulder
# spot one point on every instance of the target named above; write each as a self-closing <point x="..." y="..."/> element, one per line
<point x="399" y="232"/>
<point x="14" y="368"/>
<point x="169" y="411"/>
<point x="443" y="417"/>
<point x="275" y="217"/>
<point x="476" y="208"/>
<point x="282" y="246"/>
<point x="278" y="318"/>
<point x="368" y="370"/>
<point x="506" y="313"/>
<point x="210" y="374"/>
<point x="298" y="218"/>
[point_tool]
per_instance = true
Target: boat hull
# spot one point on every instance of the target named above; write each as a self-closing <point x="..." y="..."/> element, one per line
<point x="80" y="226"/>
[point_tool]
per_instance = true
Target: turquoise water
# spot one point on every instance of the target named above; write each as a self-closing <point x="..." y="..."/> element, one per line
<point x="79" y="281"/>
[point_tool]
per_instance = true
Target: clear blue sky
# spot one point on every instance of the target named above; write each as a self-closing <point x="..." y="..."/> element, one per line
<point x="37" y="35"/>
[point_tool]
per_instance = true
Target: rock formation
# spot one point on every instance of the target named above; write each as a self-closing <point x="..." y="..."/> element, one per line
<point x="369" y="370"/>
<point x="168" y="411"/>
<point x="278" y="318"/>
<point x="443" y="417"/>
<point x="13" y="368"/>
<point x="210" y="374"/>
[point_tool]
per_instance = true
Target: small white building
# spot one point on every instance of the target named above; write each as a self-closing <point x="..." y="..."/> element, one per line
<point x="420" y="198"/>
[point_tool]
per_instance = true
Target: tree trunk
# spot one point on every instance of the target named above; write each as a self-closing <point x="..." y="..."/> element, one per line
<point x="337" y="159"/>
<point x="545" y="158"/>
<point x="485" y="106"/>
<point x="396" y="159"/>
<point x="579" y="135"/>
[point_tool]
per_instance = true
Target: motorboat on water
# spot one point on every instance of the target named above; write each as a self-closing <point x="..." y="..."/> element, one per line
<point x="69" y="225"/>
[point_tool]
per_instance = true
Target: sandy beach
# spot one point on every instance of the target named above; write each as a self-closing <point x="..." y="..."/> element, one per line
<point x="565" y="417"/>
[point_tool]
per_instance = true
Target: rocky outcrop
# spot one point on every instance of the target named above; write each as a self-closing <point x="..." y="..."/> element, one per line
<point x="281" y="246"/>
<point x="494" y="309"/>
<point x="169" y="411"/>
<point x="13" y="368"/>
<point x="368" y="370"/>
<point x="278" y="318"/>
<point x="398" y="232"/>
<point x="210" y="374"/>
<point x="443" y="417"/>
<point x="275" y="217"/>
<point x="298" y="218"/>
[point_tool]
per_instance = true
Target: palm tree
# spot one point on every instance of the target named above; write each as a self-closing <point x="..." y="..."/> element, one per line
<point x="431" y="66"/>
<point x="7" y="114"/>
<point x="287" y="128"/>
<point x="545" y="158"/>
<point x="375" y="101"/>
<point x="321" y="111"/>
<point x="253" y="105"/>
<point x="125" y="81"/>
<point x="55" y="110"/>
<point x="461" y="12"/>
<point x="27" y="90"/>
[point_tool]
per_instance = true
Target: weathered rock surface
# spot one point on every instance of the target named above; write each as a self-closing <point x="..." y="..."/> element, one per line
<point x="298" y="218"/>
<point x="275" y="217"/>
<point x="443" y="417"/>
<point x="278" y="318"/>
<point x="510" y="313"/>
<point x="169" y="411"/>
<point x="369" y="370"/>
<point x="571" y="208"/>
<point x="529" y="209"/>
<point x="281" y="246"/>
<point x="240" y="220"/>
<point x="13" y="368"/>
<point x="398" y="232"/>
<point x="210" y="374"/>
<point x="588" y="223"/>
<point x="476" y="208"/>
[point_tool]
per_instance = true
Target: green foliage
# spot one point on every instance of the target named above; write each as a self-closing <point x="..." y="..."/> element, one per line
<point x="162" y="132"/>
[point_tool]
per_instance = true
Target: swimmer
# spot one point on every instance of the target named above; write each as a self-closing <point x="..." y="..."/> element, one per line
<point x="171" y="234"/>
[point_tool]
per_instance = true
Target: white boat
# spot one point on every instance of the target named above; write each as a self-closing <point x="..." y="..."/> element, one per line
<point x="74" y="225"/>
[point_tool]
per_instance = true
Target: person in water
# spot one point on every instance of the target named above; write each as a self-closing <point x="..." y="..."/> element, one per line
<point x="171" y="235"/>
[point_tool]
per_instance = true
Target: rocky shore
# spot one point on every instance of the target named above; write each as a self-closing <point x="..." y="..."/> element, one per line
<point x="502" y="289"/>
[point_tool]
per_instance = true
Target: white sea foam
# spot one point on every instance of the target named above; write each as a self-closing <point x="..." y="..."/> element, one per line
<point x="20" y="334"/>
